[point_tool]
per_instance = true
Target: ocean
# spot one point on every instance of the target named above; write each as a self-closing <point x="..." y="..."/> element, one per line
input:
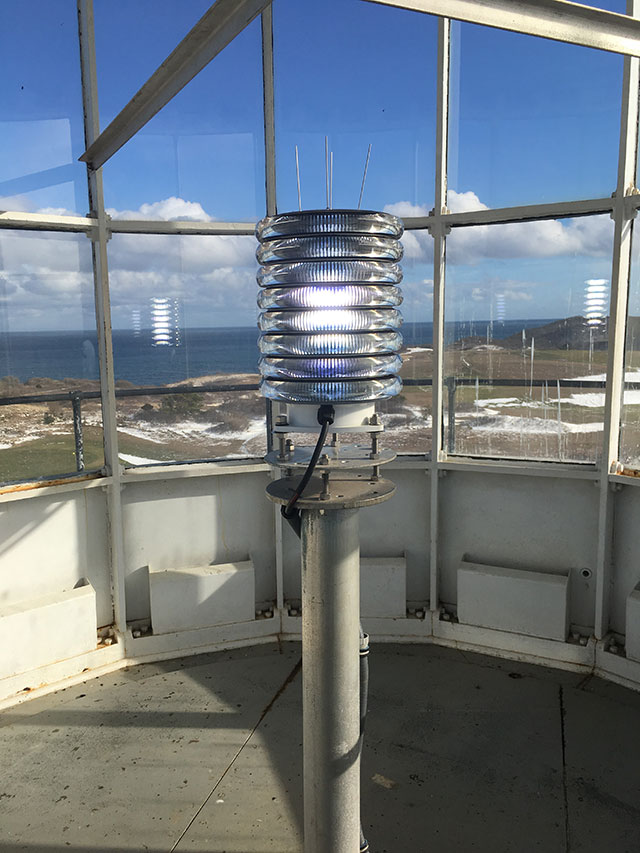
<point x="202" y="352"/>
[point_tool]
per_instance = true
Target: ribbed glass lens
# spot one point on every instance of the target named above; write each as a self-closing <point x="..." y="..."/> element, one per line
<point x="359" y="367"/>
<point x="330" y="320"/>
<point x="329" y="324"/>
<point x="329" y="222"/>
<point x="328" y="391"/>
<point x="319" y="272"/>
<point x="336" y="296"/>
<point x="370" y="343"/>
<point x="330" y="246"/>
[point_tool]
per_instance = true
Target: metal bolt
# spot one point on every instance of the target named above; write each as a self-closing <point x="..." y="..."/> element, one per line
<point x="374" y="445"/>
<point x="324" y="459"/>
<point x="268" y="614"/>
<point x="290" y="446"/>
<point x="109" y="640"/>
<point x="281" y="444"/>
<point x="325" y="495"/>
<point x="374" y="420"/>
<point x="419" y="614"/>
<point x="293" y="612"/>
<point x="281" y="420"/>
<point x="258" y="614"/>
<point x="446" y="617"/>
<point x="376" y="472"/>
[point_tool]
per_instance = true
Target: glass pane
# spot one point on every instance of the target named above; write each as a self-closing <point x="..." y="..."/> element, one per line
<point x="360" y="74"/>
<point x="41" y="122"/>
<point x="630" y="432"/>
<point x="407" y="417"/>
<point x="146" y="32"/>
<point x="526" y="338"/>
<point x="184" y="312"/>
<point x="48" y="346"/>
<point x="202" y="156"/>
<point x="531" y="120"/>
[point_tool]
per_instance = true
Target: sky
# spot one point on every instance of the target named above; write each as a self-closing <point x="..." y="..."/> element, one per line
<point x="530" y="121"/>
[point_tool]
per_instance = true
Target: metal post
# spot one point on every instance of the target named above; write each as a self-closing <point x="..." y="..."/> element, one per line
<point x="76" y="403"/>
<point x="331" y="680"/>
<point x="451" y="414"/>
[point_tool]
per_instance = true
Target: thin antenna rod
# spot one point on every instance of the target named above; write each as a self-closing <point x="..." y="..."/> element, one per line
<point x="364" y="177"/>
<point x="298" y="179"/>
<point x="326" y="165"/>
<point x="331" y="181"/>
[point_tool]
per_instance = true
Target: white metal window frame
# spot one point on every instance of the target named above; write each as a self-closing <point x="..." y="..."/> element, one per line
<point x="555" y="19"/>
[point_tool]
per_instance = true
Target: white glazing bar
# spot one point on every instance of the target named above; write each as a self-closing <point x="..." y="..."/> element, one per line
<point x="213" y="32"/>
<point x="269" y="111"/>
<point x="20" y="221"/>
<point x="173" y="226"/>
<point x="623" y="215"/>
<point x="558" y="20"/>
<point x="103" y="314"/>
<point x="438" y="230"/>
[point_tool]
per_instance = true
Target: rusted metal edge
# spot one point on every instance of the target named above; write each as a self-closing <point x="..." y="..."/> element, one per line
<point x="39" y="484"/>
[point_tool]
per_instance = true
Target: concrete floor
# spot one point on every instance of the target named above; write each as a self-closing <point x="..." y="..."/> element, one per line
<point x="463" y="752"/>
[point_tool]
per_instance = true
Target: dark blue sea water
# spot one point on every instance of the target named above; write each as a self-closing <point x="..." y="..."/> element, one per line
<point x="62" y="355"/>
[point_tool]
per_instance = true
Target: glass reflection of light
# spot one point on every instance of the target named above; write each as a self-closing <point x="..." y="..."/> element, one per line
<point x="322" y="320"/>
<point x="330" y="344"/>
<point x="314" y="296"/>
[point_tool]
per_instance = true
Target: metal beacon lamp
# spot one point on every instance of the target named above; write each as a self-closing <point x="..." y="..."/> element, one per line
<point x="329" y="345"/>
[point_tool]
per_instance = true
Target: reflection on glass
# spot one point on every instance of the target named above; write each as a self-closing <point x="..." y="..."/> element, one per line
<point x="184" y="313"/>
<point x="526" y="328"/>
<point x="407" y="417"/>
<point x="531" y="120"/>
<point x="48" y="345"/>
<point x="361" y="74"/>
<point x="41" y="121"/>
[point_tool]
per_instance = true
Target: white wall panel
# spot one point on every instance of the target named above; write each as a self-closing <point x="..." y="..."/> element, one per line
<point x="537" y="523"/>
<point x="49" y="542"/>
<point x="185" y="523"/>
<point x="626" y="553"/>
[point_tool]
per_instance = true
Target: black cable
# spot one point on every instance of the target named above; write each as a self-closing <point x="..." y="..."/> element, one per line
<point x="325" y="418"/>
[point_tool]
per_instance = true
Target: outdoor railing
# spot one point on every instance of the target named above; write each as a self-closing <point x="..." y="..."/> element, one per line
<point x="452" y="383"/>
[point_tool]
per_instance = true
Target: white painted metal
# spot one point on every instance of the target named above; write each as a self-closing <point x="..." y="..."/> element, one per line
<point x="552" y="19"/>
<point x="331" y="680"/>
<point x="269" y="111"/>
<point x="507" y="599"/>
<point x="197" y="521"/>
<point x="141" y="226"/>
<point x="632" y="638"/>
<point x="99" y="237"/>
<point x="438" y="232"/>
<point x="50" y="628"/>
<point x="521" y="213"/>
<point x="46" y="222"/>
<point x="383" y="587"/>
<point x="213" y="32"/>
<point x="623" y="226"/>
<point x="202" y="596"/>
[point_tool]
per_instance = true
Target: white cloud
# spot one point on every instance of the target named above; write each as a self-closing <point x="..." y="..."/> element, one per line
<point x="168" y="208"/>
<point x="587" y="237"/>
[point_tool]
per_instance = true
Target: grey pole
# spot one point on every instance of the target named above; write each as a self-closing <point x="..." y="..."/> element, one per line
<point x="331" y="680"/>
